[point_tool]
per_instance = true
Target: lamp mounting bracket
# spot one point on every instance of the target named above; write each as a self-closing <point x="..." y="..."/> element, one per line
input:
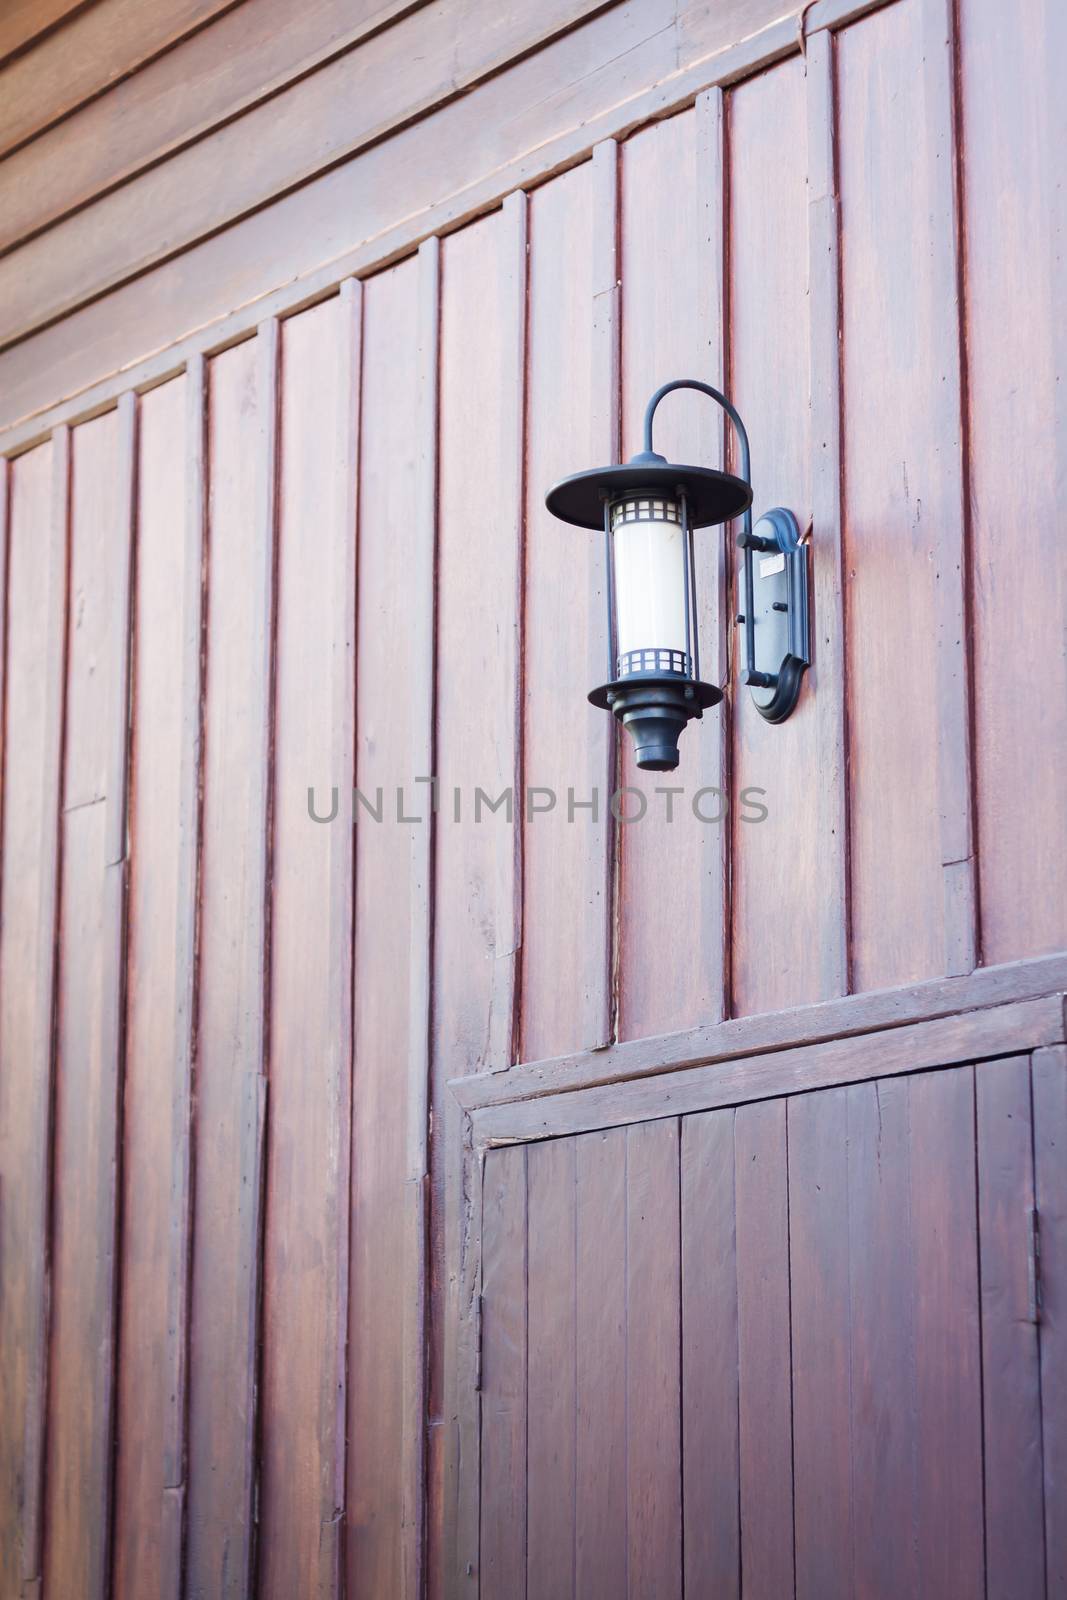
<point x="774" y="613"/>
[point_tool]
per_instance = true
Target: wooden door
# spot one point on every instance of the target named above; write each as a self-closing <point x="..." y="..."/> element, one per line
<point x="807" y="1346"/>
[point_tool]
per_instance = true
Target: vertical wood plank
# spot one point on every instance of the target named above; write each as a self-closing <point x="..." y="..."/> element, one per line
<point x="394" y="675"/>
<point x="653" y="1375"/>
<point x="780" y="923"/>
<point x="504" y="1358"/>
<point x="305" y="1253"/>
<point x="714" y="567"/>
<point x="420" y="963"/>
<point x="883" y="1339"/>
<point x="670" y="871"/>
<point x="822" y="1343"/>
<point x="191" y="580"/>
<point x="477" y="879"/>
<point x="1014" y="1512"/>
<point x="764" y="1401"/>
<point x="948" y="1376"/>
<point x="600" y="1443"/>
<point x="36" y="508"/>
<point x="903" y="514"/>
<point x="1013" y="126"/>
<point x="710" y="1463"/>
<point x="551" y="1387"/>
<point x="955" y="777"/>
<point x="231" y="1084"/>
<point x="826" y="676"/>
<point x="90" y="1011"/>
<point x="1049" y="1069"/>
<point x="149" y="1461"/>
<point x="567" y="746"/>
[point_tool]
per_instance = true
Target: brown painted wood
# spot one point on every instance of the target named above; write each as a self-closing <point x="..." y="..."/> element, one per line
<point x="231" y="1064"/>
<point x="305" y="1260"/>
<point x="188" y="844"/>
<point x="670" y="890"/>
<point x="1049" y="1073"/>
<point x="148" y="1472"/>
<point x="504" y="1358"/>
<point x="1019" y="752"/>
<point x="275" y="146"/>
<point x="36" y="520"/>
<point x="948" y="1380"/>
<point x="883" y="1336"/>
<point x="476" y="868"/>
<point x="600" y="1468"/>
<point x="294" y="241"/>
<point x="98" y="45"/>
<point x="780" y="922"/>
<point x="820" y="1321"/>
<point x="423" y="599"/>
<point x="89" y="1012"/>
<point x="712" y="179"/>
<point x="291" y="137"/>
<point x="710" y="1458"/>
<point x="24" y="21"/>
<point x="245" y="55"/>
<point x="390" y="1020"/>
<point x="764" y="1398"/>
<point x="989" y="986"/>
<point x="826" y="675"/>
<point x="902" y="509"/>
<point x="1025" y="1025"/>
<point x="653" y="1374"/>
<point x="886" y="1359"/>
<point x="567" y="753"/>
<point x="955" y="775"/>
<point x="1011" y="1412"/>
<point x="552" y="1268"/>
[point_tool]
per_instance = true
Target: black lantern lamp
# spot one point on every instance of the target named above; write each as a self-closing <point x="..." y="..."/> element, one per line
<point x="648" y="508"/>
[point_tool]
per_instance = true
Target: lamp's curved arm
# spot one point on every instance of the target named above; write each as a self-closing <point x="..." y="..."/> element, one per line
<point x="734" y="416"/>
<point x="746" y="540"/>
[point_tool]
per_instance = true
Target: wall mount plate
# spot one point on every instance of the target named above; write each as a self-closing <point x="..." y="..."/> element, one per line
<point x="775" y="618"/>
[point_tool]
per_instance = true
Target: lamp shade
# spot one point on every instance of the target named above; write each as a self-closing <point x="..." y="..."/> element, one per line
<point x="651" y="598"/>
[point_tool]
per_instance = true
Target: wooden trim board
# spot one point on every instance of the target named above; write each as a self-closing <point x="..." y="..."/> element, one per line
<point x="858" y="1014"/>
<point x="994" y="1031"/>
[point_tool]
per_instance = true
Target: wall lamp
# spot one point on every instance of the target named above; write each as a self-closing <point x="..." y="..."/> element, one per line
<point x="648" y="508"/>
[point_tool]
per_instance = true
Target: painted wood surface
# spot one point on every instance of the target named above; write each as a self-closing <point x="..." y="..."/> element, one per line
<point x="777" y="943"/>
<point x="149" y="1493"/>
<point x="568" y="758"/>
<point x="305" y="1253"/>
<point x="670" y="887"/>
<point x="231" y="1068"/>
<point x="856" y="1348"/>
<point x="393" y="831"/>
<point x="477" y="838"/>
<point x="35" y="516"/>
<point x="361" y="215"/>
<point x="902" y="503"/>
<point x="267" y="1317"/>
<point x="89" y="1006"/>
<point x="1019" y="749"/>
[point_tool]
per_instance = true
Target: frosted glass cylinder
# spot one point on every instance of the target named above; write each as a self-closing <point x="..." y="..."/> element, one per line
<point x="650" y="592"/>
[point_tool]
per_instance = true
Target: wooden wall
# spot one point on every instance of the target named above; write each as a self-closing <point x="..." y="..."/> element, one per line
<point x="268" y="525"/>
